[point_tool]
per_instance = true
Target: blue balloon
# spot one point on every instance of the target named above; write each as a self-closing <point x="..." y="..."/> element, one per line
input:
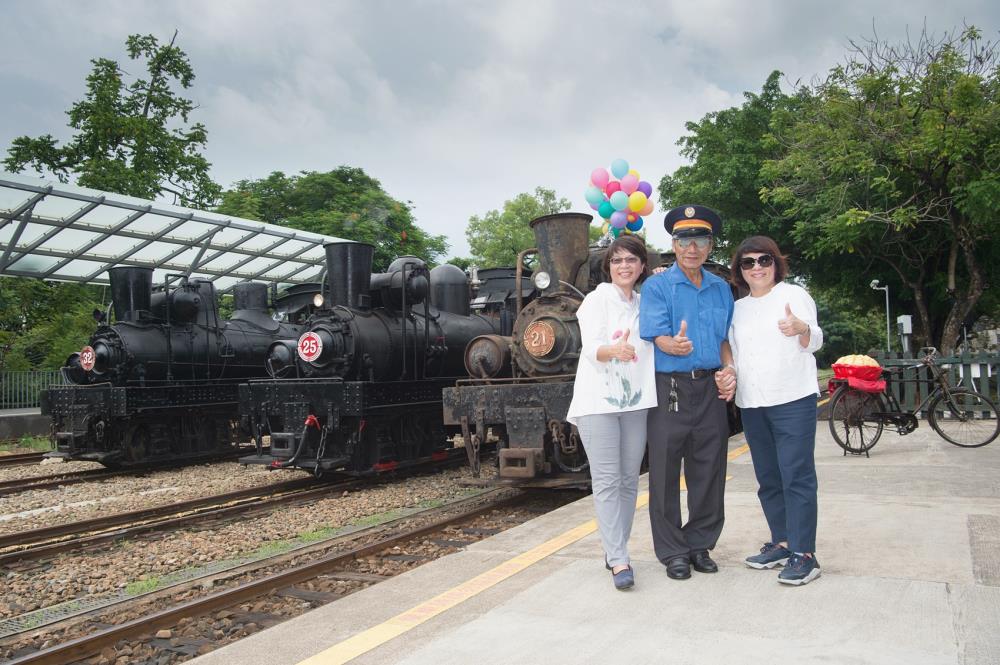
<point x="619" y="168"/>
<point x="634" y="226"/>
<point x="619" y="200"/>
<point x="594" y="196"/>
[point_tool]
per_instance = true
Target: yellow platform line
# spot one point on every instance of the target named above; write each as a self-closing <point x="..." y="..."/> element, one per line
<point x="378" y="635"/>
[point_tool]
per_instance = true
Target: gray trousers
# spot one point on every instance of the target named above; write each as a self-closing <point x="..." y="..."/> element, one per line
<point x="615" y="444"/>
<point x="697" y="435"/>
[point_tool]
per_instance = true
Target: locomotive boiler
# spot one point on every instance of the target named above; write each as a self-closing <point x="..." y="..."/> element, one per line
<point x="360" y="389"/>
<point x="161" y="382"/>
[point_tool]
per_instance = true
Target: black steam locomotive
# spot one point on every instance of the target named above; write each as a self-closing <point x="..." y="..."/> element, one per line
<point x="360" y="389"/>
<point x="161" y="383"/>
<point x="522" y="385"/>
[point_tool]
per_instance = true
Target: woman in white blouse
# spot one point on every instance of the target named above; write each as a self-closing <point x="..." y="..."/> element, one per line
<point x="774" y="334"/>
<point x="615" y="385"/>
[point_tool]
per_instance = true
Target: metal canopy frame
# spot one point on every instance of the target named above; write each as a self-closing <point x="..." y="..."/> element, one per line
<point x="56" y="231"/>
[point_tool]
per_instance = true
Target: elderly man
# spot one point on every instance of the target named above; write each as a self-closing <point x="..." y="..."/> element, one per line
<point x="686" y="311"/>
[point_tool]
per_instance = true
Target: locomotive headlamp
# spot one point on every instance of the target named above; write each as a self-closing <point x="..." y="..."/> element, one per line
<point x="318" y="300"/>
<point x="542" y="280"/>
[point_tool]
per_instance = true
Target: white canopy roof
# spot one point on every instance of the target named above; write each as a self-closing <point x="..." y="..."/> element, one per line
<point x="52" y="230"/>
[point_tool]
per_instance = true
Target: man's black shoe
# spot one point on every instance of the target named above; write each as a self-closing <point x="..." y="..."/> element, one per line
<point x="678" y="568"/>
<point x="703" y="563"/>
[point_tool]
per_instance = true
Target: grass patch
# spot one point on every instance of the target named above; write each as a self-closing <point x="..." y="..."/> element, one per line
<point x="143" y="586"/>
<point x="26" y="443"/>
<point x="824" y="375"/>
<point x="273" y="548"/>
<point x="316" y="535"/>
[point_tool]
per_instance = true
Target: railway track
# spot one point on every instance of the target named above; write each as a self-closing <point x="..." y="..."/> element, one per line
<point x="8" y="487"/>
<point x="28" y="546"/>
<point x="44" y="542"/>
<point x="20" y="459"/>
<point x="286" y="576"/>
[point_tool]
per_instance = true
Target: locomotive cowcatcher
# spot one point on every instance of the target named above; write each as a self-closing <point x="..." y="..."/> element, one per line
<point x="360" y="389"/>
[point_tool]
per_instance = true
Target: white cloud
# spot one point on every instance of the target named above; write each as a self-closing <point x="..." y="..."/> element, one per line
<point x="456" y="106"/>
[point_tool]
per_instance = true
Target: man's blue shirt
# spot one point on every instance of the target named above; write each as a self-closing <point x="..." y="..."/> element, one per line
<point x="669" y="298"/>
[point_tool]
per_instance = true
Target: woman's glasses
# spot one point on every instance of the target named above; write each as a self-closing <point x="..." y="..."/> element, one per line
<point x="764" y="261"/>
<point x="630" y="260"/>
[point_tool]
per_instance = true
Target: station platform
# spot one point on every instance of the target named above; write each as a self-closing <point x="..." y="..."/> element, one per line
<point x="908" y="541"/>
<point x="15" y="423"/>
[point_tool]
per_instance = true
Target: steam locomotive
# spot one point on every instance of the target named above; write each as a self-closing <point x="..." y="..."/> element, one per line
<point x="161" y="383"/>
<point x="360" y="389"/>
<point x="521" y="386"/>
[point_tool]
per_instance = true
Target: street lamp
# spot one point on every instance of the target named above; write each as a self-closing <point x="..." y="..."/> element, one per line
<point x="874" y="285"/>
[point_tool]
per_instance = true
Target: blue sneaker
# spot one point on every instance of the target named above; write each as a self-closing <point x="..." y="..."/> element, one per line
<point x="624" y="579"/>
<point x="771" y="555"/>
<point x="800" y="569"/>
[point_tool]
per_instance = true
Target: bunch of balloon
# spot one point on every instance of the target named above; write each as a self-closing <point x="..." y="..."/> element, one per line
<point x="620" y="198"/>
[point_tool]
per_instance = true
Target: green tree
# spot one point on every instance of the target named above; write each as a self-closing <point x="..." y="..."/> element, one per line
<point x="131" y="137"/>
<point x="892" y="162"/>
<point x="346" y="203"/>
<point x="41" y="323"/>
<point x="727" y="149"/>
<point x="498" y="236"/>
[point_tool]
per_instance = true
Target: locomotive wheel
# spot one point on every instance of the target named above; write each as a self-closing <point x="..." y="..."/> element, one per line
<point x="137" y="444"/>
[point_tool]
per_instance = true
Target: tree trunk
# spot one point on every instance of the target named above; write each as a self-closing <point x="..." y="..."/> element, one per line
<point x="965" y="300"/>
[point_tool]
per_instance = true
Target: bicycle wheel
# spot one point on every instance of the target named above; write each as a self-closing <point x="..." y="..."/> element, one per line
<point x="967" y="419"/>
<point x="853" y="421"/>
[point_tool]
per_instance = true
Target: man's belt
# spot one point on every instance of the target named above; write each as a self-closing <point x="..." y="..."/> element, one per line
<point x="694" y="373"/>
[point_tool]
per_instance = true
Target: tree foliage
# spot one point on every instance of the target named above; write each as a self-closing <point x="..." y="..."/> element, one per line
<point x="131" y="137"/>
<point x="41" y="323"/>
<point x="894" y="160"/>
<point x="887" y="168"/>
<point x="346" y="203"/>
<point x="497" y="237"/>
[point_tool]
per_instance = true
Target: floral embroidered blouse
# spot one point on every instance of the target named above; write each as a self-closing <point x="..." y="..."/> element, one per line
<point x="613" y="386"/>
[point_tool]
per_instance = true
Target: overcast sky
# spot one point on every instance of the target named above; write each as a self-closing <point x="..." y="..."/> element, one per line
<point x="454" y="106"/>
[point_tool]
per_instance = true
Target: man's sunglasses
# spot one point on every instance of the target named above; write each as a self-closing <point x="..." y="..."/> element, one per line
<point x="701" y="241"/>
<point x="764" y="261"/>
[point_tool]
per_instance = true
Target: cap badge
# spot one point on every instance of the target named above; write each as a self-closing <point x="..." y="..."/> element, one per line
<point x="689" y="212"/>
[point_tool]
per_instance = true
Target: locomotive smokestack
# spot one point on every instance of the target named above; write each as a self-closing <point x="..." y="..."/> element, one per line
<point x="349" y="273"/>
<point x="131" y="290"/>
<point x="562" y="243"/>
<point x="250" y="296"/>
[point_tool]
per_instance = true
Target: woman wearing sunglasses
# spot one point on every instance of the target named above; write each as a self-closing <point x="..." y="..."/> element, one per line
<point x="773" y="335"/>
<point x="615" y="385"/>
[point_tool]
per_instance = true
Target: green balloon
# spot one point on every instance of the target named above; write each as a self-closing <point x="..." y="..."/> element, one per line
<point x="605" y="209"/>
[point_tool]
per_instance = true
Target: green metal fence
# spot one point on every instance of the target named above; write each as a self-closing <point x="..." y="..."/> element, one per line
<point x="19" y="390"/>
<point x="972" y="370"/>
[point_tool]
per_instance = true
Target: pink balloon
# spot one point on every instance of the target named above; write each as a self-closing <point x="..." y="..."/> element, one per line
<point x="647" y="209"/>
<point x="599" y="178"/>
<point x="629" y="183"/>
<point x="612" y="187"/>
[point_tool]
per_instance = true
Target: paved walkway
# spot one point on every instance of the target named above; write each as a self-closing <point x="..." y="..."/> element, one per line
<point x="909" y="542"/>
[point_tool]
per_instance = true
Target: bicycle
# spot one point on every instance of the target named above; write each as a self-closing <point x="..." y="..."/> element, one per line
<point x="961" y="416"/>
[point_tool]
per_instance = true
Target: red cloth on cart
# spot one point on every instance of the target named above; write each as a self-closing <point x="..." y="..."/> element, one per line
<point x="875" y="386"/>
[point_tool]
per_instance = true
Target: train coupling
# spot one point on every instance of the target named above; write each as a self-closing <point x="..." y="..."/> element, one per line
<point x="521" y="462"/>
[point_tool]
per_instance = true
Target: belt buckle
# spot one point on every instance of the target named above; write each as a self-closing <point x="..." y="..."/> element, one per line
<point x="695" y="373"/>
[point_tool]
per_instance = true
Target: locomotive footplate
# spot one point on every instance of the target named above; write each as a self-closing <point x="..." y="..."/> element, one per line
<point x="530" y="414"/>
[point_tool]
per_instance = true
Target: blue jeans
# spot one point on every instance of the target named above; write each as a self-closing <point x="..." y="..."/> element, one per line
<point x="782" y="443"/>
